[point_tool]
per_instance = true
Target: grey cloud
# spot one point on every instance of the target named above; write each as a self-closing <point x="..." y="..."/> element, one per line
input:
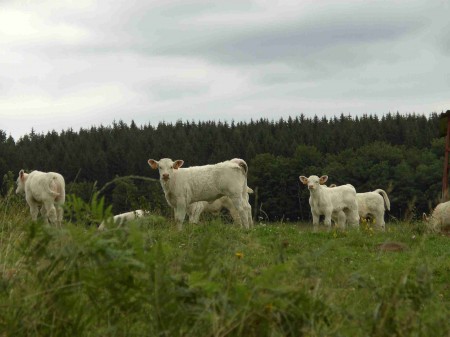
<point x="339" y="37"/>
<point x="164" y="92"/>
<point x="351" y="56"/>
<point x="301" y="41"/>
<point x="292" y="40"/>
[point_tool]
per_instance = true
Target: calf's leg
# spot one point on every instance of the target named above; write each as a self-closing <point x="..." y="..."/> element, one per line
<point x="341" y="219"/>
<point x="34" y="208"/>
<point x="353" y="218"/>
<point x="243" y="215"/>
<point x="51" y="212"/>
<point x="316" y="219"/>
<point x="59" y="214"/>
<point x="379" y="220"/>
<point x="327" y="220"/>
<point x="180" y="213"/>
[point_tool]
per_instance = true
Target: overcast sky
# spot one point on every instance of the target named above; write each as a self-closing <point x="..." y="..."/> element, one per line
<point x="82" y="63"/>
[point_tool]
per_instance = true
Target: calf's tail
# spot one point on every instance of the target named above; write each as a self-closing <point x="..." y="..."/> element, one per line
<point x="241" y="163"/>
<point x="385" y="197"/>
<point x="53" y="187"/>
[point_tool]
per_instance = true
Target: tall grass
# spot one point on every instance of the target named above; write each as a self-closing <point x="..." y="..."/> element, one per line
<point x="214" y="279"/>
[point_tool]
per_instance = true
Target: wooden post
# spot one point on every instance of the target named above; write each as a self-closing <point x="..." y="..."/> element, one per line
<point x="446" y="118"/>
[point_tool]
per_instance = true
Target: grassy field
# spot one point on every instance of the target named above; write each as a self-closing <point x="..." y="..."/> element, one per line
<point x="215" y="279"/>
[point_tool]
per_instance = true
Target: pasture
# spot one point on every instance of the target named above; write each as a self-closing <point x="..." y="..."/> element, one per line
<point x="216" y="279"/>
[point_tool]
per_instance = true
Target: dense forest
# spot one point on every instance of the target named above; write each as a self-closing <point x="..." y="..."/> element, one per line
<point x="402" y="154"/>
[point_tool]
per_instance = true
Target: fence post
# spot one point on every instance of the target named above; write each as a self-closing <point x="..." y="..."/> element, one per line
<point x="445" y="125"/>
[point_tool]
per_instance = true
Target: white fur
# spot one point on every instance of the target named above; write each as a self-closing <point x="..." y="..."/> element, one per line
<point x="45" y="190"/>
<point x="120" y="219"/>
<point x="440" y="217"/>
<point x="373" y="203"/>
<point x="183" y="186"/>
<point x="197" y="208"/>
<point x="337" y="203"/>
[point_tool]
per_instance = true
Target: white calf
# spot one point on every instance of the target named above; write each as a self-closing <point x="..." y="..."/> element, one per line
<point x="183" y="186"/>
<point x="373" y="203"/>
<point x="120" y="219"/>
<point x="337" y="203"/>
<point x="197" y="208"/>
<point x="45" y="190"/>
<point x="440" y="217"/>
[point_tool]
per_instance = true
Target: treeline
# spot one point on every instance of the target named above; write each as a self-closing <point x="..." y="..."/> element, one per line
<point x="402" y="154"/>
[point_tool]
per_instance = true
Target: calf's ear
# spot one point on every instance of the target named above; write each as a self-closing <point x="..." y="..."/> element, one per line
<point x="21" y="173"/>
<point x="153" y="164"/>
<point x="303" y="179"/>
<point x="425" y="218"/>
<point x="178" y="164"/>
<point x="323" y="180"/>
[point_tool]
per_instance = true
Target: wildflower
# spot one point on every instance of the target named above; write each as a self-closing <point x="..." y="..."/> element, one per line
<point x="269" y="307"/>
<point x="239" y="255"/>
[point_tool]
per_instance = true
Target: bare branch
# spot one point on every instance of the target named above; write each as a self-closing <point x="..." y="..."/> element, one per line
<point x="125" y="178"/>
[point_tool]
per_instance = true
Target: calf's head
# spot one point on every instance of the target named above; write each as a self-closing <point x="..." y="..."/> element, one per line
<point x="313" y="182"/>
<point x="21" y="182"/>
<point x="166" y="167"/>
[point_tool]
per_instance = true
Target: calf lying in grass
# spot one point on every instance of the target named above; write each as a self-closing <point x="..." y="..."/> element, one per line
<point x="120" y="219"/>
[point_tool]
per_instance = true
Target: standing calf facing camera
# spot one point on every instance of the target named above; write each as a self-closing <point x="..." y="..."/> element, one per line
<point x="45" y="190"/>
<point x="337" y="203"/>
<point x="183" y="186"/>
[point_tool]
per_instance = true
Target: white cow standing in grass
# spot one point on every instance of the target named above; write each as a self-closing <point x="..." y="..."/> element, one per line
<point x="197" y="208"/>
<point x="373" y="203"/>
<point x="120" y="219"/>
<point x="337" y="203"/>
<point x="45" y="190"/>
<point x="183" y="186"/>
<point x="440" y="217"/>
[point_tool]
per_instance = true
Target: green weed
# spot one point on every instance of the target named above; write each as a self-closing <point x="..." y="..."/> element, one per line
<point x="216" y="279"/>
